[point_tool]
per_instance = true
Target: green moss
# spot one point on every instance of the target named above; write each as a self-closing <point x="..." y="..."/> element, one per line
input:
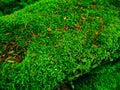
<point x="65" y="39"/>
<point x="105" y="77"/>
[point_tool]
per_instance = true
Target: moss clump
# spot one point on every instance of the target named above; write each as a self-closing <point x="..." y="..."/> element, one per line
<point x="105" y="77"/>
<point x="64" y="40"/>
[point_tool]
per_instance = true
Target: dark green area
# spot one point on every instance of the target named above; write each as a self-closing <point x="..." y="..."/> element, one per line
<point x="64" y="39"/>
<point x="10" y="6"/>
<point x="106" y="77"/>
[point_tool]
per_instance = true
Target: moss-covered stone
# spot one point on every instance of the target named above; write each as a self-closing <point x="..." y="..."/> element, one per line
<point x="65" y="39"/>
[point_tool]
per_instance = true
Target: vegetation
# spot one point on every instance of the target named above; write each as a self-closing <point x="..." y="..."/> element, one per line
<point x="52" y="42"/>
<point x="9" y="6"/>
<point x="105" y="77"/>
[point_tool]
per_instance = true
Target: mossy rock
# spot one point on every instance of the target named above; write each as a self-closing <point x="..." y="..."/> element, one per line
<point x="64" y="39"/>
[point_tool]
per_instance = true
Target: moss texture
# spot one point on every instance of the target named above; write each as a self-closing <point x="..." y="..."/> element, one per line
<point x="63" y="39"/>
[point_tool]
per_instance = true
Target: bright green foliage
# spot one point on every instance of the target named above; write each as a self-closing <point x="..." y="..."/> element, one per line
<point x="65" y="39"/>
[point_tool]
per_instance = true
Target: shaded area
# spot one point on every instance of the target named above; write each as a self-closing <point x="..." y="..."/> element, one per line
<point x="116" y="3"/>
<point x="105" y="77"/>
<point x="9" y="6"/>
